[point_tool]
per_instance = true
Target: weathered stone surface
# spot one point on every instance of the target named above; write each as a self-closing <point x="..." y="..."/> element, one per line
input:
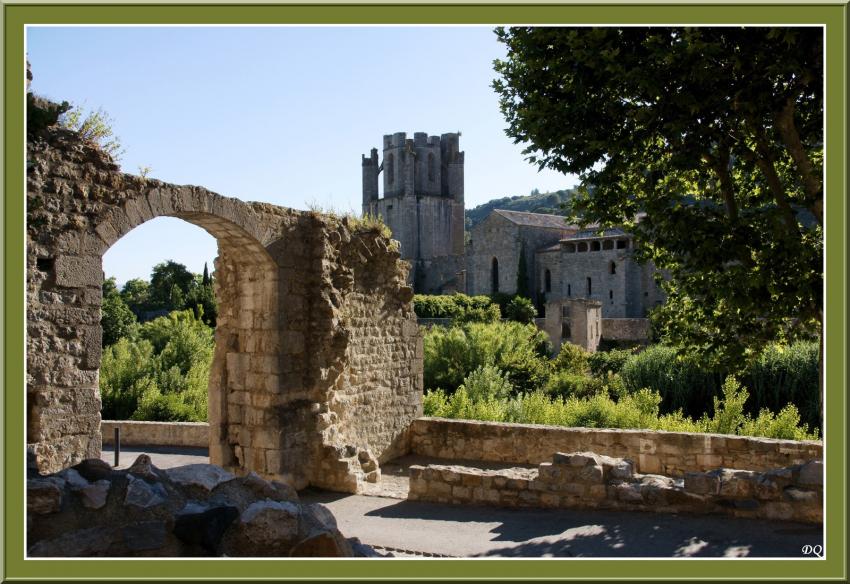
<point x="74" y="479"/>
<point x="206" y="476"/>
<point x="811" y="473"/>
<point x="144" y="536"/>
<point x="323" y="545"/>
<point x="142" y="494"/>
<point x="93" y="495"/>
<point x="129" y="516"/>
<point x="143" y="467"/>
<point x="565" y="483"/>
<point x="265" y="528"/>
<point x="44" y="495"/>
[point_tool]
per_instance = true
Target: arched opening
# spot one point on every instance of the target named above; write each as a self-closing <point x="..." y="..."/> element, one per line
<point x="612" y="267"/>
<point x="547" y="284"/>
<point x="569" y="290"/>
<point x="607" y="244"/>
<point x="589" y="287"/>
<point x="494" y="276"/>
<point x="246" y="367"/>
<point x="570" y="248"/>
<point x="622" y="244"/>
<point x="582" y="246"/>
<point x="595" y="246"/>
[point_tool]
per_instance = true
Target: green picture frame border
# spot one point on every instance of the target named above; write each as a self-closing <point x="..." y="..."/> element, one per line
<point x="14" y="18"/>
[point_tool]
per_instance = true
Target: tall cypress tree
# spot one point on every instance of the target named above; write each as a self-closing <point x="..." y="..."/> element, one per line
<point x="206" y="279"/>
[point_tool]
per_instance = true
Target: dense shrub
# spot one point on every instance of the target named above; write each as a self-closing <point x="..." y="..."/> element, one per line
<point x="571" y="358"/>
<point x="566" y="384"/>
<point x="680" y="382"/>
<point x="640" y="409"/>
<point x="520" y="351"/>
<point x="521" y="309"/>
<point x="603" y="362"/>
<point x="160" y="374"/>
<point x="487" y="382"/>
<point x="782" y="375"/>
<point x="460" y="307"/>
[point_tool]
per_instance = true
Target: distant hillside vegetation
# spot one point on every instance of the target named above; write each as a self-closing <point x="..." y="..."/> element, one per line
<point x="549" y="203"/>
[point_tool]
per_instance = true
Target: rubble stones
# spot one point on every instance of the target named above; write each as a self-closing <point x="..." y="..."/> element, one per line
<point x="206" y="476"/>
<point x="128" y="516"/>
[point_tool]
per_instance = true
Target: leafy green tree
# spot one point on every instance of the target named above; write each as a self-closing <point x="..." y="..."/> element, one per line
<point x="521" y="309"/>
<point x="716" y="135"/>
<point x="136" y="294"/>
<point x="522" y="273"/>
<point x="164" y="278"/>
<point x="117" y="320"/>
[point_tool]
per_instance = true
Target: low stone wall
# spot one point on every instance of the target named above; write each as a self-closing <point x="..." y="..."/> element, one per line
<point x="669" y="453"/>
<point x="587" y="480"/>
<point x="625" y="329"/>
<point x="192" y="434"/>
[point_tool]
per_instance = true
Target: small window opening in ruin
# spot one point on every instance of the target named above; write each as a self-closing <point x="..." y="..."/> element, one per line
<point x="494" y="276"/>
<point x="646" y="294"/>
<point x="607" y="244"/>
<point x="622" y="244"/>
<point x="389" y="207"/>
<point x="45" y="264"/>
<point x="595" y="246"/>
<point x="582" y="246"/>
<point x="570" y="248"/>
<point x="431" y="166"/>
<point x="569" y="290"/>
<point x="566" y="333"/>
<point x="613" y="267"/>
<point x="548" y="283"/>
<point x="589" y="287"/>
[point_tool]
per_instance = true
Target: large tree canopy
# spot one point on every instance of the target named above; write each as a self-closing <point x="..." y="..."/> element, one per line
<point x="707" y="144"/>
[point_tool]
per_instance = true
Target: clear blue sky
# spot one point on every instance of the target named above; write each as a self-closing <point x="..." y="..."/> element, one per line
<point x="278" y="114"/>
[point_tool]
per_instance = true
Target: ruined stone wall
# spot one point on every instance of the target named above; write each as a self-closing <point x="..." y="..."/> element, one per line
<point x="136" y="433"/>
<point x="589" y="481"/>
<point x="669" y="453"/>
<point x="625" y="329"/>
<point x="292" y="316"/>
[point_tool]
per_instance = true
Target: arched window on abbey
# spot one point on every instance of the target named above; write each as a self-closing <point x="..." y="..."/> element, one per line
<point x="608" y="244"/>
<point x="494" y="276"/>
<point x="613" y="268"/>
<point x="547" y="281"/>
<point x="595" y="246"/>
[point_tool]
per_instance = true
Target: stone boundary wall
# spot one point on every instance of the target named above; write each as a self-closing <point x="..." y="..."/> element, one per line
<point x="625" y="329"/>
<point x="133" y="433"/>
<point x="669" y="453"/>
<point x="587" y="480"/>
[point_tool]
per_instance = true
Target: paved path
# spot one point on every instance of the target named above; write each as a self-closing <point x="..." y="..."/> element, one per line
<point x="465" y="531"/>
<point x="450" y="530"/>
<point x="161" y="456"/>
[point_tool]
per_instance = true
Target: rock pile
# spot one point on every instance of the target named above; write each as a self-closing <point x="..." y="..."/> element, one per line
<point x="194" y="510"/>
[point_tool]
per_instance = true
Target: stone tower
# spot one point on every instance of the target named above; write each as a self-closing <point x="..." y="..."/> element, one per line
<point x="423" y="197"/>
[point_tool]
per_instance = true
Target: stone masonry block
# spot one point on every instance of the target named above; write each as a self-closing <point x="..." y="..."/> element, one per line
<point x="78" y="271"/>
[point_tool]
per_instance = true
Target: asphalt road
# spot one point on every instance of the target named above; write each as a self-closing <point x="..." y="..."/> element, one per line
<point x="463" y="531"/>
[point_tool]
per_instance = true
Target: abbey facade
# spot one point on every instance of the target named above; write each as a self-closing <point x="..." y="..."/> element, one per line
<point x="423" y="205"/>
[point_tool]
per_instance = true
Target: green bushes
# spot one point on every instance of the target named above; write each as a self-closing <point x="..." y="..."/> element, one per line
<point x="640" y="409"/>
<point x="160" y="373"/>
<point x="520" y="351"/>
<point x="782" y="375"/>
<point x="521" y="309"/>
<point x="460" y="307"/>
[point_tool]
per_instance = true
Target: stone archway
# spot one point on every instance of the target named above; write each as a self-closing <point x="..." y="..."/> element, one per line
<point x="318" y="361"/>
